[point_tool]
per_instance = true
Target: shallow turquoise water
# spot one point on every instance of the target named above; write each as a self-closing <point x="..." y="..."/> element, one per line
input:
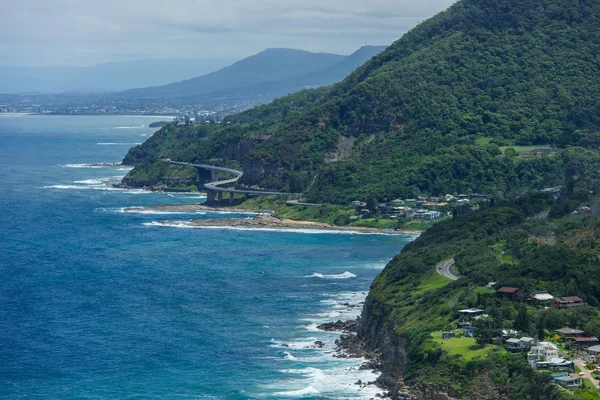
<point x="95" y="303"/>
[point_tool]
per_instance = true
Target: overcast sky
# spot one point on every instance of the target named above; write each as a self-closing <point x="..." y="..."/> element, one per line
<point x="85" y="32"/>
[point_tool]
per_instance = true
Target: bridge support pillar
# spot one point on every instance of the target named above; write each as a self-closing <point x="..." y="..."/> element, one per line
<point x="214" y="175"/>
<point x="210" y="197"/>
<point x="230" y="198"/>
<point x="246" y="195"/>
<point x="220" y="196"/>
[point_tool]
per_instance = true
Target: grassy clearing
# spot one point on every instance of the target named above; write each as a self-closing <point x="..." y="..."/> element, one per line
<point x="465" y="347"/>
<point x="482" y="290"/>
<point x="431" y="281"/>
<point x="523" y="149"/>
<point x="380" y="223"/>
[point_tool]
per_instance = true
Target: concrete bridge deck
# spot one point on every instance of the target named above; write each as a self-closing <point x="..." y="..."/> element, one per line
<point x="217" y="185"/>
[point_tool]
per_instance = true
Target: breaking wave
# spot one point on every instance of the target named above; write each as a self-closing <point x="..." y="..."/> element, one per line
<point x="344" y="275"/>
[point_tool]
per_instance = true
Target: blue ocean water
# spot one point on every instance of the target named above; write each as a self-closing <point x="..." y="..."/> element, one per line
<point x="97" y="303"/>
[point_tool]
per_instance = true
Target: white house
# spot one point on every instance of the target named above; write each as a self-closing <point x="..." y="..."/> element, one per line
<point x="542" y="352"/>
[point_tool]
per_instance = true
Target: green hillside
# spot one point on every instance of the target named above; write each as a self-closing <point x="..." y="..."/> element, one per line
<point x="433" y="113"/>
<point x="409" y="303"/>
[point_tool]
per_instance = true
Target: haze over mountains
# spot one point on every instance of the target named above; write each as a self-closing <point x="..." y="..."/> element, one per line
<point x="255" y="80"/>
<point x="113" y="76"/>
<point x="272" y="72"/>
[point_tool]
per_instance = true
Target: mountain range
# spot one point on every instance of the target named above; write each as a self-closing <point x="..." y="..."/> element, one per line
<point x="270" y="73"/>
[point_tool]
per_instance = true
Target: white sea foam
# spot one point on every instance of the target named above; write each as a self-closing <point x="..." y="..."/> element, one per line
<point x="116" y="144"/>
<point x="84" y="166"/>
<point x="141" y="210"/>
<point x="190" y="225"/>
<point x="96" y="165"/>
<point x="299" y="392"/>
<point x="344" y="275"/>
<point x="130" y="127"/>
<point x="298" y="344"/>
<point x="97" y="187"/>
<point x="339" y="381"/>
<point x="314" y="367"/>
<point x="288" y="356"/>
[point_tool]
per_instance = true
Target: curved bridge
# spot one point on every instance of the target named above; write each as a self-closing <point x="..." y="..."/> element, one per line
<point x="216" y="186"/>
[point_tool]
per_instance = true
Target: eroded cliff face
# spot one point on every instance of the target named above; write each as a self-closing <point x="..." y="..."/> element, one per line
<point x="380" y="337"/>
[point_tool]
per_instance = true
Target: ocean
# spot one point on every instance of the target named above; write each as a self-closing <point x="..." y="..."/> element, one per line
<point x="98" y="303"/>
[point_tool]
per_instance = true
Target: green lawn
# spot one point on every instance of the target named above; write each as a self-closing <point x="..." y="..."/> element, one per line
<point x="483" y="290"/>
<point x="463" y="346"/>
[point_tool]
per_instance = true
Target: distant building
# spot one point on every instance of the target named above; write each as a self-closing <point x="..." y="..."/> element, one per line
<point x="584" y="342"/>
<point x="471" y="312"/>
<point x="569" y="333"/>
<point x="566" y="302"/>
<point x="515" y="345"/>
<point x="594" y="350"/>
<point x="469" y="331"/>
<point x="544" y="351"/>
<point x="570" y="381"/>
<point x="510" y="292"/>
<point x="448" y="335"/>
<point x="542" y="297"/>
<point x="432" y="215"/>
<point x="462" y="202"/>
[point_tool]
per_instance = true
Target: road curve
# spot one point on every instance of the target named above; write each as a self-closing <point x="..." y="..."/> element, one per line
<point x="445" y="269"/>
<point x="586" y="373"/>
<point x="216" y="186"/>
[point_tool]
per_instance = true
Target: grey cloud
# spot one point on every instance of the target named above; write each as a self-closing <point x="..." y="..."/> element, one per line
<point x="83" y="32"/>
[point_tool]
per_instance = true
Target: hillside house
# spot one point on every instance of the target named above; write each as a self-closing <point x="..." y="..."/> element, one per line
<point x="515" y="345"/>
<point x="570" y="381"/>
<point x="585" y="342"/>
<point x="431" y="215"/>
<point x="541" y="352"/>
<point x="448" y="335"/>
<point x="510" y="292"/>
<point x="470" y="313"/>
<point x="469" y="331"/>
<point x="569" y="333"/>
<point x="541" y="297"/>
<point x="566" y="302"/>
<point x="594" y="350"/>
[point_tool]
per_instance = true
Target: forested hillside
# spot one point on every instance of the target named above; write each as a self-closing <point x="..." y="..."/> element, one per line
<point x="444" y="109"/>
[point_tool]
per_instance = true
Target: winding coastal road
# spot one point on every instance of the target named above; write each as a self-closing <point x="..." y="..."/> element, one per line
<point x="216" y="186"/>
<point x="445" y="269"/>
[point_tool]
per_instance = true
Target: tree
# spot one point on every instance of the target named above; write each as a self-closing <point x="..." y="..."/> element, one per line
<point x="592" y="328"/>
<point x="522" y="321"/>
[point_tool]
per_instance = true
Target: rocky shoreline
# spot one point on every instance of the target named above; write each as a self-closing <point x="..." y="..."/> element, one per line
<point x="349" y="345"/>
<point x="264" y="220"/>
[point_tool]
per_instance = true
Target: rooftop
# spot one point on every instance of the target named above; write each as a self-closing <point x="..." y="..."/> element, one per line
<point x="543" y="296"/>
<point x="570" y="299"/>
<point x="507" y="289"/>
<point x="569" y="331"/>
<point x="586" y="339"/>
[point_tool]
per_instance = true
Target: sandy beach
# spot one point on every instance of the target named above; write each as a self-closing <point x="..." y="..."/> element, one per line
<point x="263" y="220"/>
